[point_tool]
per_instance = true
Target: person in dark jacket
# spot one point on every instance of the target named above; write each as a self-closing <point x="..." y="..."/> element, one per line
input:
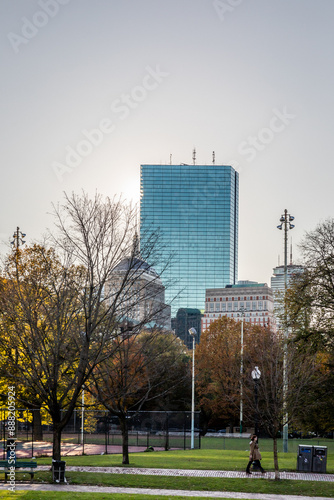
<point x="254" y="455"/>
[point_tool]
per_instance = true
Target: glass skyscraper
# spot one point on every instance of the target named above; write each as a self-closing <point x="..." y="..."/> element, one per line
<point x="196" y="209"/>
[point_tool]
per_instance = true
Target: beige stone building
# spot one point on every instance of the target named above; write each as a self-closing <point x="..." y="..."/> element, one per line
<point x="248" y="299"/>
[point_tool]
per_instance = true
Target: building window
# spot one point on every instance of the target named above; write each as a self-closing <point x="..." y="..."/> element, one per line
<point x="217" y="306"/>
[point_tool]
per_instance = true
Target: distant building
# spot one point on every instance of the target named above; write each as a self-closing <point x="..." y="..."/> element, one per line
<point x="277" y="281"/>
<point x="278" y="285"/>
<point x="196" y="210"/>
<point x="254" y="301"/>
<point x="187" y="318"/>
<point x="143" y="300"/>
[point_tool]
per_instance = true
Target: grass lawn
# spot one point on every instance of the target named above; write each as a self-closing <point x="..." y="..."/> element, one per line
<point x="235" y="460"/>
<point x="204" y="459"/>
<point x="190" y="459"/>
<point x="247" y="485"/>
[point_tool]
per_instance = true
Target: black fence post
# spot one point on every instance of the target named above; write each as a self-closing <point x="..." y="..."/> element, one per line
<point x="27" y="424"/>
<point x="184" y="429"/>
<point x="106" y="426"/>
<point x="32" y="438"/>
<point x="167" y="433"/>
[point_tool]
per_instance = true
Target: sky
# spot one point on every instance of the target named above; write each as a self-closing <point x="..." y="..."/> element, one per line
<point x="92" y="89"/>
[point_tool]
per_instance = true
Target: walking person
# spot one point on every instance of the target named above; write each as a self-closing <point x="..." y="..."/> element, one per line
<point x="254" y="455"/>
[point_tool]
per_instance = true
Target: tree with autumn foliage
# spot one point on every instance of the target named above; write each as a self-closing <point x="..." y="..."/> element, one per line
<point x="58" y="314"/>
<point x="218" y="361"/>
<point x="218" y="376"/>
<point x="310" y="316"/>
<point x="273" y="353"/>
<point x="141" y="367"/>
<point x="40" y="332"/>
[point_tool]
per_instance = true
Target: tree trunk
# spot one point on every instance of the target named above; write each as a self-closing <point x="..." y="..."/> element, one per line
<point x="276" y="459"/>
<point x="125" y="439"/>
<point x="37" y="424"/>
<point x="56" y="449"/>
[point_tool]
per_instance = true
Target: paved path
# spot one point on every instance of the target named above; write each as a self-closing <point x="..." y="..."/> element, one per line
<point x="196" y="473"/>
<point x="157" y="493"/>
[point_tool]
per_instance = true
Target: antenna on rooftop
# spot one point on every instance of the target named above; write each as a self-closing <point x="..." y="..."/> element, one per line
<point x="291" y="253"/>
<point x="213" y="157"/>
<point x="279" y="260"/>
<point x="194" y="156"/>
<point x="170" y="159"/>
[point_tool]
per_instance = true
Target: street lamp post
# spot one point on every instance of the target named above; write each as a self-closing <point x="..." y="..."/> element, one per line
<point x="241" y="312"/>
<point x="18" y="239"/>
<point x="193" y="333"/>
<point x="256" y="374"/>
<point x="82" y="414"/>
<point x="285" y="221"/>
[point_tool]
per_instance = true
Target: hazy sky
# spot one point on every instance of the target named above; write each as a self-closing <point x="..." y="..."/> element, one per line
<point x="251" y="80"/>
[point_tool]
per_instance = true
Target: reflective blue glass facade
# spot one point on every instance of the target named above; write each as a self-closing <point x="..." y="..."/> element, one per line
<point x="196" y="209"/>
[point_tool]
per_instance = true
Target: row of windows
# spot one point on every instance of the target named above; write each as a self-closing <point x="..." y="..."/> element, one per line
<point x="186" y="169"/>
<point x="215" y="299"/>
<point x="168" y="223"/>
<point x="186" y="274"/>
<point x="176" y="209"/>
<point x="223" y="306"/>
<point x="175" y="212"/>
<point x="216" y="195"/>
<point x="253" y="314"/>
<point x="183" y="206"/>
<point x="255" y="320"/>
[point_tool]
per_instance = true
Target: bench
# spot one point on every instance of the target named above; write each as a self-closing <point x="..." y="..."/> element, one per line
<point x="19" y="465"/>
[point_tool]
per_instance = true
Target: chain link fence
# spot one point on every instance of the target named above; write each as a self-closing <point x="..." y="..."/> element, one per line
<point x="98" y="432"/>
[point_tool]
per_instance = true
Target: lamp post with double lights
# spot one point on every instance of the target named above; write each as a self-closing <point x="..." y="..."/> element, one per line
<point x="241" y="312"/>
<point x="18" y="239"/>
<point x="256" y="375"/>
<point x="193" y="333"/>
<point x="285" y="221"/>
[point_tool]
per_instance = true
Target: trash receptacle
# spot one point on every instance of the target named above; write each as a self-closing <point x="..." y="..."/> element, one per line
<point x="319" y="460"/>
<point x="304" y="459"/>
<point x="58" y="471"/>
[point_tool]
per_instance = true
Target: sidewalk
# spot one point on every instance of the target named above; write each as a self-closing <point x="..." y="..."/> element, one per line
<point x="196" y="473"/>
<point x="157" y="493"/>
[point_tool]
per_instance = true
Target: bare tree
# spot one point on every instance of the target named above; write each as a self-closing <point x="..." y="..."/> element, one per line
<point x="62" y="310"/>
<point x="267" y="352"/>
